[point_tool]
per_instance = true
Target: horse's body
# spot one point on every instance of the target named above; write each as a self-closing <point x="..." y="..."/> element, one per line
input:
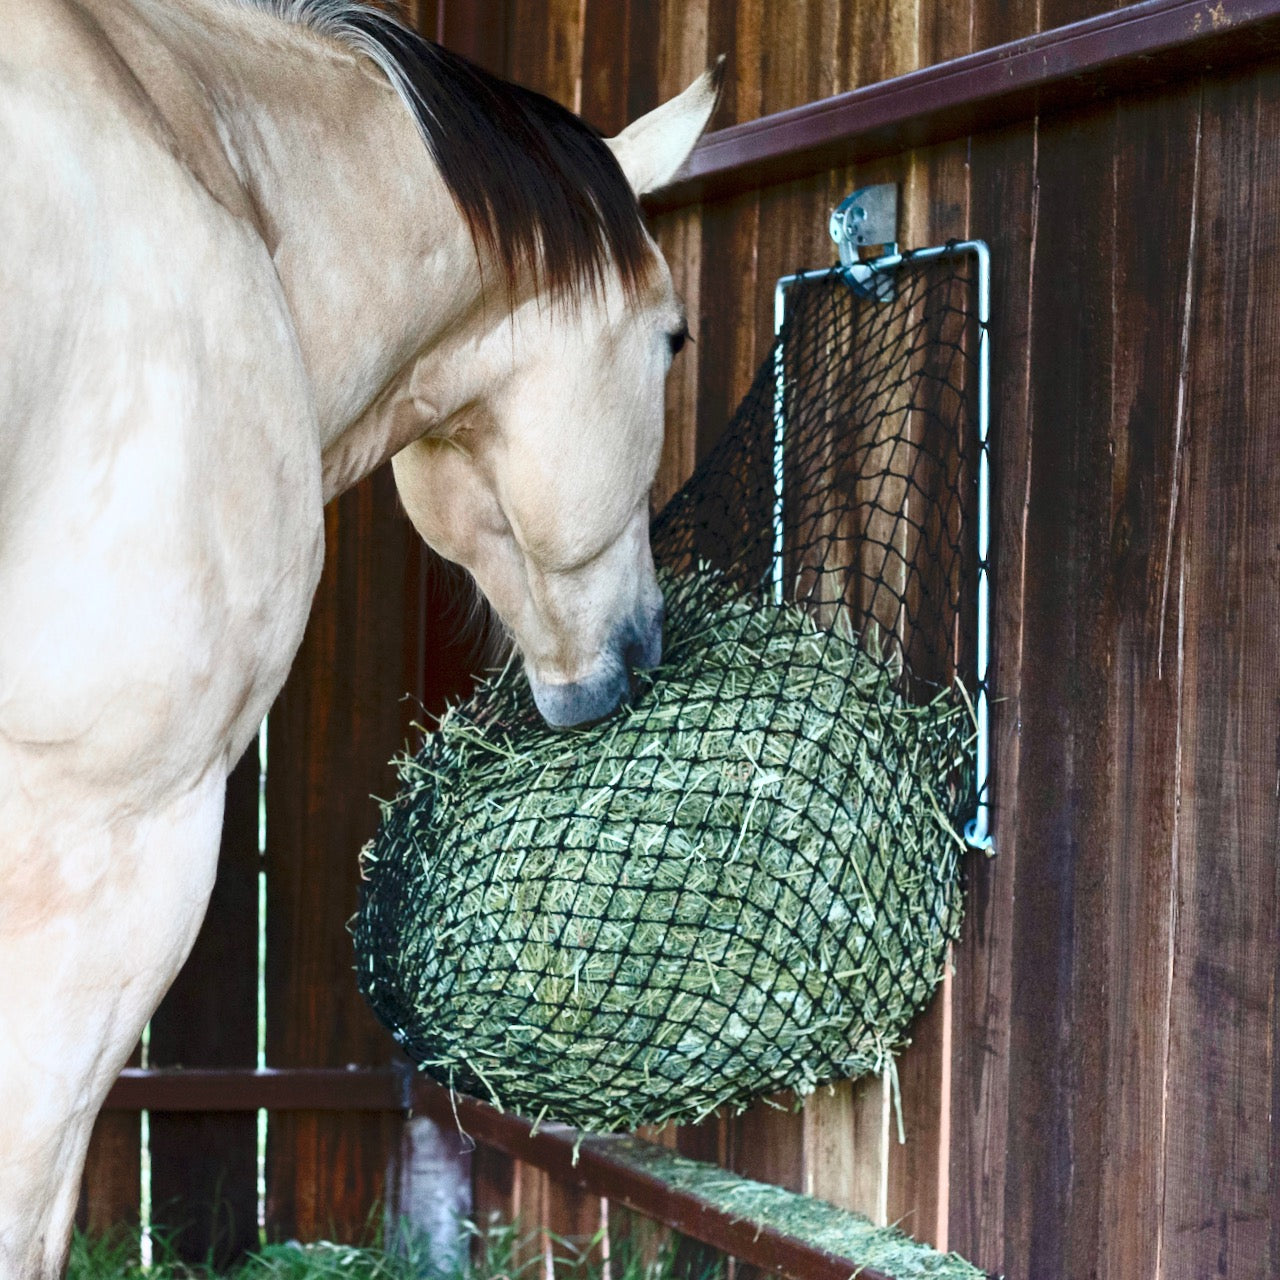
<point x="233" y="281"/>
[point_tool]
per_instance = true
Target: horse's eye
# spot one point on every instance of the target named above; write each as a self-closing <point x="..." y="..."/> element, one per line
<point x="677" y="340"/>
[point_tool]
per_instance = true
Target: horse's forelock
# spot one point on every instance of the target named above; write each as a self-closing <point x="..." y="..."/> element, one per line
<point x="539" y="189"/>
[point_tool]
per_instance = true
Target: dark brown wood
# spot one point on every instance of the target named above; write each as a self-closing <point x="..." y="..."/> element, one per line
<point x="331" y="733"/>
<point x="1158" y="149"/>
<point x="477" y="29"/>
<point x="1003" y="208"/>
<point x="608" y="1166"/>
<point x="1220" y="1188"/>
<point x="1058" y="1069"/>
<point x="204" y="1168"/>
<point x="546" y="49"/>
<point x="1132" y="48"/>
<point x="619" y="62"/>
<point x="175" y="1090"/>
<point x="111" y="1189"/>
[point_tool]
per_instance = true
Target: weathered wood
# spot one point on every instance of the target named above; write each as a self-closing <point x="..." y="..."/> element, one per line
<point x="619" y="62"/>
<point x="934" y="208"/>
<point x="683" y="54"/>
<point x="111" y="1191"/>
<point x="477" y="29"/>
<point x="204" y="1168"/>
<point x="546" y="48"/>
<point x="330" y="735"/>
<point x="1158" y="42"/>
<point x="1220" y="1181"/>
<point x="1158" y="150"/>
<point x="1058" y="1069"/>
<point x="1004" y="211"/>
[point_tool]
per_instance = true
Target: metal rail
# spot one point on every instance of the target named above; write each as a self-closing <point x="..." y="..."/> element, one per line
<point x="1121" y="52"/>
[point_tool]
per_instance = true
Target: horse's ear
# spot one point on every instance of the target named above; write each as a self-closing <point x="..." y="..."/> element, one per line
<point x="652" y="149"/>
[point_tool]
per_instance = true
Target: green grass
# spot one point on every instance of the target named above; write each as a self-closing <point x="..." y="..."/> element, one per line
<point x="501" y="1251"/>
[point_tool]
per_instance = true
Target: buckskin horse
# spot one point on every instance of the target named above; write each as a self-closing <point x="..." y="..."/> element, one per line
<point x="248" y="253"/>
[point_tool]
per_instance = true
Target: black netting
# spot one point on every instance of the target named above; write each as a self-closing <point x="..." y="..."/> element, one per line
<point x="748" y="881"/>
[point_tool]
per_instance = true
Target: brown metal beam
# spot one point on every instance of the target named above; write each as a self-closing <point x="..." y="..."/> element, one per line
<point x="1127" y="49"/>
<point x="626" y="1171"/>
<point x="243" y="1089"/>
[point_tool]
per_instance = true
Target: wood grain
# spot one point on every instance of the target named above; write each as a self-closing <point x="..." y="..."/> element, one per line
<point x="1004" y="211"/>
<point x="204" y="1168"/>
<point x="1158" y="149"/>
<point x="1220" y="1181"/>
<point x="330" y="735"/>
<point x="1058" y="1070"/>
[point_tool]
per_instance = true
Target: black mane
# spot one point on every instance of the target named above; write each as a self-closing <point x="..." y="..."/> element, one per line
<point x="537" y="186"/>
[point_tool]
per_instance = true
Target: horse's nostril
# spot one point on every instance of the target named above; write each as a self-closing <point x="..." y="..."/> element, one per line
<point x="643" y="651"/>
<point x="633" y="656"/>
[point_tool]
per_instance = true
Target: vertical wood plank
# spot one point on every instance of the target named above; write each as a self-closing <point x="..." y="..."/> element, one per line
<point x="1004" y="211"/>
<point x="1219" y="1179"/>
<point x="111" y="1190"/>
<point x="546" y="48"/>
<point x="682" y="56"/>
<point x="477" y="29"/>
<point x="1058" y="1069"/>
<point x="204" y="1168"/>
<point x="934" y="208"/>
<point x="331" y="733"/>
<point x="619" y="61"/>
<point x="1158" y="145"/>
<point x="728" y="297"/>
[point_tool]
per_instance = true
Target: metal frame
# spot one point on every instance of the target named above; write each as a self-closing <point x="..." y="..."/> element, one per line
<point x="977" y="832"/>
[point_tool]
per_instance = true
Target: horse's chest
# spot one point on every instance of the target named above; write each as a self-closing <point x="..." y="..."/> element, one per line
<point x="155" y="596"/>
<point x="157" y="634"/>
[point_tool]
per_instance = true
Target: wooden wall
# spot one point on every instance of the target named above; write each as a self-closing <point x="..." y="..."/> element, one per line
<point x="1093" y="1092"/>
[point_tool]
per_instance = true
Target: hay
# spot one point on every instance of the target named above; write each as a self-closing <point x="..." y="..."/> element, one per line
<point x="744" y="884"/>
<point x="835" y="1231"/>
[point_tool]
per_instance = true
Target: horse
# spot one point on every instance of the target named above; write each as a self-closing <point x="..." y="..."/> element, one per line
<point x="252" y="251"/>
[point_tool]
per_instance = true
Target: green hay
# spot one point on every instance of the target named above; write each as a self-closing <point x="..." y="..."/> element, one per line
<point x="745" y="884"/>
<point x="834" y="1231"/>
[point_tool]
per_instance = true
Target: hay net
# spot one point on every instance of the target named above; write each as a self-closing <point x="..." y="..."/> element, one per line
<point x="747" y="882"/>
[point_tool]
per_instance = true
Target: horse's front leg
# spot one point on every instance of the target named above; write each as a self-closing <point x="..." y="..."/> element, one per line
<point x="98" y="911"/>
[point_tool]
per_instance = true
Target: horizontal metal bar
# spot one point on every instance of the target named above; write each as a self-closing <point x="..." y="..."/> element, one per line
<point x="626" y="1171"/>
<point x="273" y="1089"/>
<point x="622" y="1169"/>
<point x="1122" y="51"/>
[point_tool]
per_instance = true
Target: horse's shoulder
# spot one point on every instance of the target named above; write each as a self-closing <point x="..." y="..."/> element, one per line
<point x="103" y="70"/>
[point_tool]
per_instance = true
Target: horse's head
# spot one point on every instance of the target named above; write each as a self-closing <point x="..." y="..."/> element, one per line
<point x="539" y="482"/>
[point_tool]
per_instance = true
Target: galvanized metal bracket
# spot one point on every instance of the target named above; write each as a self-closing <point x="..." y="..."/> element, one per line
<point x="867" y="220"/>
<point x="874" y="279"/>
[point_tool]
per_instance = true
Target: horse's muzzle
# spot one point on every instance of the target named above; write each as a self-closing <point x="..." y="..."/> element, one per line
<point x="636" y="646"/>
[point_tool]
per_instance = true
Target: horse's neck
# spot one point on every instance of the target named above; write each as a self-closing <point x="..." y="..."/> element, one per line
<point x="375" y="261"/>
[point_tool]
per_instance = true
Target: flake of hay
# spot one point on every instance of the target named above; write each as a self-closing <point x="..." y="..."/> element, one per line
<point x="824" y="1226"/>
<point x="745" y="883"/>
